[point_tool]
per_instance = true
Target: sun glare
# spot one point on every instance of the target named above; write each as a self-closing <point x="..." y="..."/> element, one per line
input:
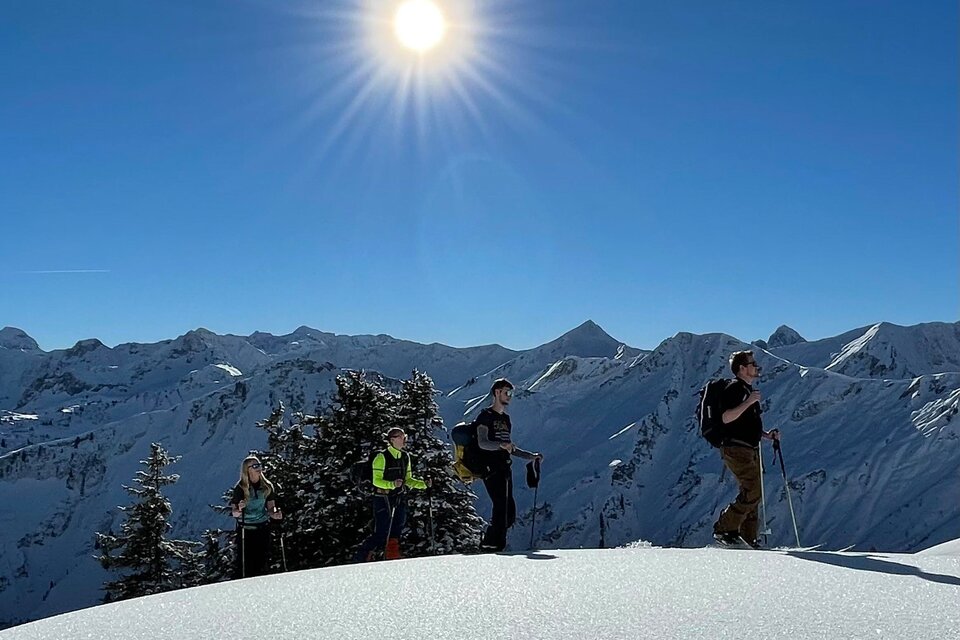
<point x="419" y="25"/>
<point x="402" y="76"/>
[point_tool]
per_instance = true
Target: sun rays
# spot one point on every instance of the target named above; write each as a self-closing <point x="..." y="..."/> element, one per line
<point x="403" y="76"/>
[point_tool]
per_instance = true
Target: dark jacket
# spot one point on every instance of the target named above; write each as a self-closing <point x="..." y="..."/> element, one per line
<point x="746" y="430"/>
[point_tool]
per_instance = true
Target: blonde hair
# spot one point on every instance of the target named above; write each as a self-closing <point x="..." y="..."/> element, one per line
<point x="245" y="478"/>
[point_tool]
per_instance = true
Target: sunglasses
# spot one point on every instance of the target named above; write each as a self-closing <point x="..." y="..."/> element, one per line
<point x="508" y="392"/>
<point x="255" y="465"/>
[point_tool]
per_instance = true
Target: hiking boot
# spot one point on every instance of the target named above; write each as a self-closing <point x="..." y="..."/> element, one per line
<point x="728" y="538"/>
<point x="392" y="551"/>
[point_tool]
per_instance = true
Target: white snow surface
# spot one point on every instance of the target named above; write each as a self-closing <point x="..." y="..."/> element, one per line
<point x="639" y="592"/>
<point x="950" y="548"/>
<point x="233" y="371"/>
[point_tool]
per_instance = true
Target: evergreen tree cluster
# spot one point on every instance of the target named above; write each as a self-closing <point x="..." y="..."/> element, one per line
<point x="320" y="467"/>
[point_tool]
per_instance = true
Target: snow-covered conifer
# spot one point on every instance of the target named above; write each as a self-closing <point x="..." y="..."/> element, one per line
<point x="150" y="562"/>
<point x="456" y="525"/>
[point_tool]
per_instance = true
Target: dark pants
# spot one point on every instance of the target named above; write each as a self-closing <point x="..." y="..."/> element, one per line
<point x="382" y="505"/>
<point x="499" y="485"/>
<point x="253" y="550"/>
<point x="740" y="516"/>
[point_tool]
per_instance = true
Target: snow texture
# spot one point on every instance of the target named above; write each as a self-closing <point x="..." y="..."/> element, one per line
<point x="639" y="592"/>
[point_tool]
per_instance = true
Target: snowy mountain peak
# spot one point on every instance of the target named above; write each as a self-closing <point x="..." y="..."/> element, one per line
<point x="194" y="341"/>
<point x="589" y="327"/>
<point x="587" y="340"/>
<point x="84" y="347"/>
<point x="890" y="351"/>
<point x="303" y="331"/>
<point x="17" y="339"/>
<point x="784" y="336"/>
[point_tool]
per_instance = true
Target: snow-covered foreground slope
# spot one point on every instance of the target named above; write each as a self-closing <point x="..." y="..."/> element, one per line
<point x="613" y="593"/>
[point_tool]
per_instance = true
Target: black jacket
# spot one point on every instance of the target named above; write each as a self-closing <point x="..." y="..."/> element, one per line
<point x="746" y="430"/>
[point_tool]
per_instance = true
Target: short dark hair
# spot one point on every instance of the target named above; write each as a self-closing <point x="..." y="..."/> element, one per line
<point x="740" y="359"/>
<point x="501" y="383"/>
<point x="395" y="431"/>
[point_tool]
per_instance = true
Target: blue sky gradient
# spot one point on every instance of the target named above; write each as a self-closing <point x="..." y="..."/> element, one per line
<point x="656" y="167"/>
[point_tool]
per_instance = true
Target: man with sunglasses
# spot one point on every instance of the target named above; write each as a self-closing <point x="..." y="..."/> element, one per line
<point x="740" y="450"/>
<point x="496" y="447"/>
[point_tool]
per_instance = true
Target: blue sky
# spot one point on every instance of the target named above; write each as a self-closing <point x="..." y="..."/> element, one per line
<point x="656" y="167"/>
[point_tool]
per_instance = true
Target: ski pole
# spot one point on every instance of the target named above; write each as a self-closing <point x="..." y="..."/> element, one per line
<point x="433" y="539"/>
<point x="283" y="552"/>
<point x="533" y="478"/>
<point x="764" y="530"/>
<point x="393" y="509"/>
<point x="533" y="521"/>
<point x="777" y="451"/>
<point x="243" y="546"/>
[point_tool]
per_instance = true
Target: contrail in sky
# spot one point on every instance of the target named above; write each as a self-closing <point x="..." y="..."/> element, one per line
<point x="69" y="271"/>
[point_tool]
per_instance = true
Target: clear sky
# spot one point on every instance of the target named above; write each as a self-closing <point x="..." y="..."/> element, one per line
<point x="654" y="166"/>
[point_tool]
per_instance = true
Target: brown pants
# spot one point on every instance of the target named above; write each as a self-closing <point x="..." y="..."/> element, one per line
<point x="741" y="514"/>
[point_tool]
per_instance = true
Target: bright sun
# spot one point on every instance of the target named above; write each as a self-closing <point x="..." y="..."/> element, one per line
<point x="419" y="25"/>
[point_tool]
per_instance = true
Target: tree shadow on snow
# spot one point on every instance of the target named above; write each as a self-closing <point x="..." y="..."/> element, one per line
<point x="873" y="563"/>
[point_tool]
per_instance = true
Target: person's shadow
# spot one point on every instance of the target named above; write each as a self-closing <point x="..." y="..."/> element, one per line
<point x="872" y="563"/>
<point x="529" y="555"/>
<point x="539" y="555"/>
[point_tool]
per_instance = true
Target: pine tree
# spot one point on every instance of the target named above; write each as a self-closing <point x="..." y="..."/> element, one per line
<point x="153" y="563"/>
<point x="290" y="462"/>
<point x="351" y="433"/>
<point x="215" y="561"/>
<point x="456" y="525"/>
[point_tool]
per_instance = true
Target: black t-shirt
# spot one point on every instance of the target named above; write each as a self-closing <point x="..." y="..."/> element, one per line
<point x="498" y="430"/>
<point x="748" y="428"/>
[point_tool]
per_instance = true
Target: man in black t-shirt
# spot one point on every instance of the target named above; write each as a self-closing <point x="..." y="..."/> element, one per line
<point x="496" y="447"/>
<point x="743" y="430"/>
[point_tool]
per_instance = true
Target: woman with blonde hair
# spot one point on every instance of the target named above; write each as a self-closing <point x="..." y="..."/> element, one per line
<point x="253" y="505"/>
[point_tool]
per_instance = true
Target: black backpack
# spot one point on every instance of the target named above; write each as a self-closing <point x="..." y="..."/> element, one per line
<point x="710" y="411"/>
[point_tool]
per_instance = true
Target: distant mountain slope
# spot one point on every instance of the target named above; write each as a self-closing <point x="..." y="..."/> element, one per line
<point x="883" y="350"/>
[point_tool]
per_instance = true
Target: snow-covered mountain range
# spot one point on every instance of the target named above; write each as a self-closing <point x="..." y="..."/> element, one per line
<point x="869" y="418"/>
